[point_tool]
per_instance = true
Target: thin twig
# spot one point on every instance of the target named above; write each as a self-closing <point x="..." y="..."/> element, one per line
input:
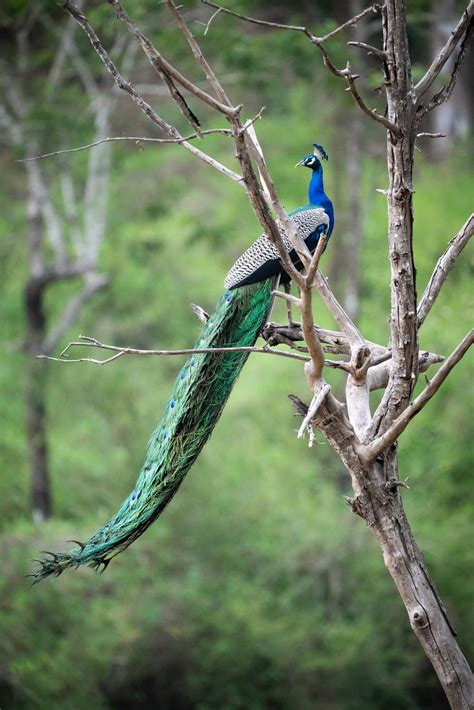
<point x="198" y="55"/>
<point x="87" y="342"/>
<point x="144" y="106"/>
<point x="209" y="22"/>
<point x="288" y="297"/>
<point x="351" y="79"/>
<point x="372" y="8"/>
<point x="136" y="139"/>
<point x="294" y="28"/>
<point x="349" y="329"/>
<point x="160" y="64"/>
<point x="425" y="134"/>
<point x="318" y="42"/>
<point x="369" y="49"/>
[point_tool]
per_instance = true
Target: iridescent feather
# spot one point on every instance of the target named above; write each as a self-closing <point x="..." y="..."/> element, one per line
<point x="202" y="387"/>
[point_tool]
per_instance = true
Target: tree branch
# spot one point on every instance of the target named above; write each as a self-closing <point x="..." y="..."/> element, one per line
<point x="198" y="55"/>
<point x="319" y="43"/>
<point x="87" y="342"/>
<point x="434" y="70"/>
<point x="370" y="452"/>
<point x="126" y="86"/>
<point x="444" y="265"/>
<point x="444" y="94"/>
<point x="165" y="68"/>
<point x="135" y="139"/>
<point x="294" y="28"/>
<point x="369" y="49"/>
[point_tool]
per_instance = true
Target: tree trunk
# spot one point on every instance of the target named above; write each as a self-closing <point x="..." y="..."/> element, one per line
<point x="426" y="612"/>
<point x="37" y="441"/>
<point x="378" y="502"/>
<point x="36" y="369"/>
<point x="400" y="152"/>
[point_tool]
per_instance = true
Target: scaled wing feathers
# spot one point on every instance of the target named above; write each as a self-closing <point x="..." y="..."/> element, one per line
<point x="263" y="251"/>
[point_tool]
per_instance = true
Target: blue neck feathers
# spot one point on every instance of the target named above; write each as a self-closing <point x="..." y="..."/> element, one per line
<point x="318" y="197"/>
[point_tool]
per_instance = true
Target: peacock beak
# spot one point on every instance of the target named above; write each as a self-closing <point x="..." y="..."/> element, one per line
<point x="300" y="164"/>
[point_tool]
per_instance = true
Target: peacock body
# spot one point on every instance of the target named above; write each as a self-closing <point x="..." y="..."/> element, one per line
<point x="203" y="385"/>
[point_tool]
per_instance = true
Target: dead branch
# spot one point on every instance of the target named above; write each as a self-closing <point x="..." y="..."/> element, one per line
<point x="368" y="48"/>
<point x="167" y="70"/>
<point x="135" y="139"/>
<point x="316" y="402"/>
<point x="444" y="94"/>
<point x="144" y="106"/>
<point x="424" y="134"/>
<point x="199" y="56"/>
<point x="438" y="63"/>
<point x="87" y="342"/>
<point x="370" y="452"/>
<point x="318" y="42"/>
<point x="444" y="265"/>
<point x="294" y="28"/>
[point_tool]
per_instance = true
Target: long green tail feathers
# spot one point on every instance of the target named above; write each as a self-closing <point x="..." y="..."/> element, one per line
<point x="197" y="400"/>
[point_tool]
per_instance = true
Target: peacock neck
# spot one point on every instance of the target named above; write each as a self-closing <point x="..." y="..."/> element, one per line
<point x="318" y="197"/>
<point x="316" y="187"/>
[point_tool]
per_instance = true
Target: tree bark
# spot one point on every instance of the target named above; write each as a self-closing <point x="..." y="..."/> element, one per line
<point x="378" y="502"/>
<point x="426" y="612"/>
<point x="400" y="152"/>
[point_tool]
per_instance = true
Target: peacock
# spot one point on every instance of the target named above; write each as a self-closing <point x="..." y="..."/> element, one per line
<point x="203" y="384"/>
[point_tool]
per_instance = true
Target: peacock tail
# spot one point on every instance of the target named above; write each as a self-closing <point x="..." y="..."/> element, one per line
<point x="199" y="394"/>
<point x="205" y="382"/>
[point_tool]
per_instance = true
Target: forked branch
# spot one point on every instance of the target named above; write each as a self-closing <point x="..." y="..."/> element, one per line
<point x="87" y="342"/>
<point x="369" y="453"/>
<point x="143" y="105"/>
<point x="319" y="42"/>
<point x="438" y="63"/>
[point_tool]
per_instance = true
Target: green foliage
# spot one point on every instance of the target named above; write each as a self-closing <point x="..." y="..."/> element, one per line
<point x="257" y="588"/>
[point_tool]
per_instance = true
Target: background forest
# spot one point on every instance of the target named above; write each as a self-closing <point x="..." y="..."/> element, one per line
<point x="258" y="588"/>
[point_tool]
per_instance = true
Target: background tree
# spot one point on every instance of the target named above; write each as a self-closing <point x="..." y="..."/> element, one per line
<point x="66" y="222"/>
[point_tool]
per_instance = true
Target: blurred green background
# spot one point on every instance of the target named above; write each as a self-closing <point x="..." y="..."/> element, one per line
<point x="257" y="588"/>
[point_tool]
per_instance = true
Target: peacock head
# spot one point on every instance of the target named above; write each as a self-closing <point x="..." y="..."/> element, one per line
<point x="313" y="159"/>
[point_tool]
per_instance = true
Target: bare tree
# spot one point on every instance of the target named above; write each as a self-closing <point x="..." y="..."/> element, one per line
<point x="64" y="237"/>
<point x="366" y="442"/>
